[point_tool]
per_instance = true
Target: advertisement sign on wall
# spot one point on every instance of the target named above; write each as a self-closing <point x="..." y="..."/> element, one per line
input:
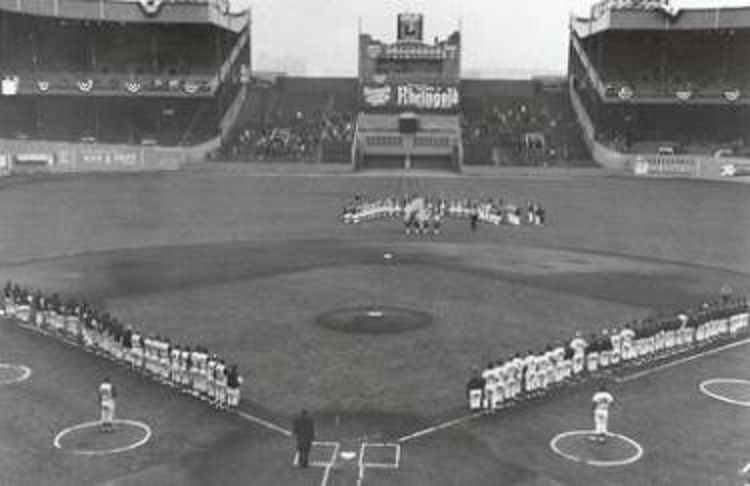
<point x="417" y="96"/>
<point x="666" y="166"/>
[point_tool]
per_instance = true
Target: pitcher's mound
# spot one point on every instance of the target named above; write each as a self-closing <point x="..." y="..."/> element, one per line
<point x="374" y="320"/>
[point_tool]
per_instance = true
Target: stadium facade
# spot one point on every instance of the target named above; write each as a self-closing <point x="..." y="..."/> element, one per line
<point x="663" y="91"/>
<point x="118" y="83"/>
<point x="132" y="84"/>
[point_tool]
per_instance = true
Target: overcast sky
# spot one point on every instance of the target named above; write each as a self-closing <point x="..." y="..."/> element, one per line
<point x="501" y="38"/>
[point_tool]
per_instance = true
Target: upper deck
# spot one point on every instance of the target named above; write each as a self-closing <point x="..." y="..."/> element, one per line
<point x="215" y="12"/>
<point x="619" y="15"/>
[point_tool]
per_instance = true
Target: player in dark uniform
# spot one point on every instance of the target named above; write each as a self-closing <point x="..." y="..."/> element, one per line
<point x="304" y="432"/>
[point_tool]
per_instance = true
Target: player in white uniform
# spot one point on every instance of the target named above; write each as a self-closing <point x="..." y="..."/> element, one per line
<point x="558" y="363"/>
<point x="601" y="401"/>
<point x="488" y="374"/>
<point x="211" y="378"/>
<point x="107" y="395"/>
<point x="221" y="385"/>
<point x="185" y="369"/>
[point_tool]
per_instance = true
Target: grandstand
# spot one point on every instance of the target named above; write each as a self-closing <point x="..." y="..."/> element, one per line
<point x="130" y="73"/>
<point x="650" y="80"/>
<point x="520" y="122"/>
<point x="458" y="121"/>
<point x="295" y="118"/>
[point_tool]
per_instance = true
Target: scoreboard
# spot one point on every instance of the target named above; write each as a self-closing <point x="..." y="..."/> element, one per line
<point x="410" y="74"/>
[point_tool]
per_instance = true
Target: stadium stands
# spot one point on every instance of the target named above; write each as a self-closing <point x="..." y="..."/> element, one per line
<point x="103" y="75"/>
<point x="653" y="82"/>
<point x="519" y="123"/>
<point x="292" y="118"/>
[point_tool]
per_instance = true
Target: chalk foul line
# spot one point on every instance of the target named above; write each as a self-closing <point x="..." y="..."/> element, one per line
<point x="263" y="423"/>
<point x="442" y="425"/>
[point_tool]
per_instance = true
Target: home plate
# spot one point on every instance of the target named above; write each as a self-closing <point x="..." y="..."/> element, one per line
<point x="374" y="314"/>
<point x="348" y="455"/>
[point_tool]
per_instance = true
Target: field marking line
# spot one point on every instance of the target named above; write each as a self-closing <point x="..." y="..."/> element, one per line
<point x="263" y="423"/>
<point x="360" y="463"/>
<point x="441" y="426"/>
<point x="327" y="466"/>
<point x="103" y="452"/>
<point x="25" y="373"/>
<point x="382" y="445"/>
<point x="593" y="462"/>
<point x="331" y="463"/>
<point x="641" y="374"/>
<point x="703" y="387"/>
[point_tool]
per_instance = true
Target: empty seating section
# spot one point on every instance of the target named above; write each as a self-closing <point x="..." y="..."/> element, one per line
<point x="682" y="90"/>
<point x="658" y="63"/>
<point x="150" y="82"/>
<point x="17" y="118"/>
<point x="106" y="120"/>
<point x="58" y="45"/>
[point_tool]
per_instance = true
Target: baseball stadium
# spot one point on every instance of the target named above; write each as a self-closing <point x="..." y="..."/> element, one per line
<point x="440" y="271"/>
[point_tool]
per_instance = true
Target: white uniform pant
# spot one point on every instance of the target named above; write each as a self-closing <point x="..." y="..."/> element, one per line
<point x="108" y="411"/>
<point x="601" y="417"/>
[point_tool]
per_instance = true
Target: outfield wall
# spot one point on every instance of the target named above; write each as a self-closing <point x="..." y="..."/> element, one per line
<point x="26" y="157"/>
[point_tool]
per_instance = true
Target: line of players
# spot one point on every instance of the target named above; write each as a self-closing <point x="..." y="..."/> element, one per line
<point x="422" y="213"/>
<point x="506" y="382"/>
<point x="195" y="371"/>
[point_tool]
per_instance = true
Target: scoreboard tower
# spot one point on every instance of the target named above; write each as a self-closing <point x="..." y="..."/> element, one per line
<point x="409" y="100"/>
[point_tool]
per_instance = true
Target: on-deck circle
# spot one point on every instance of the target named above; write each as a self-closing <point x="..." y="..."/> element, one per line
<point x="83" y="429"/>
<point x="13" y="373"/>
<point x="579" y="442"/>
<point x="709" y="388"/>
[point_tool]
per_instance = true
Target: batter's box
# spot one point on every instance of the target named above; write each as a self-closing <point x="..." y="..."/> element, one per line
<point x="322" y="454"/>
<point x="383" y="456"/>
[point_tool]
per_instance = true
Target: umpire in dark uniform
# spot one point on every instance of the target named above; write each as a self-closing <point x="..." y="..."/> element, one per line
<point x="304" y="432"/>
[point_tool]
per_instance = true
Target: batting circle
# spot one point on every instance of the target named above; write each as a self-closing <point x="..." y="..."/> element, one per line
<point x="705" y="388"/>
<point x="24" y="372"/>
<point x="593" y="462"/>
<point x="103" y="452"/>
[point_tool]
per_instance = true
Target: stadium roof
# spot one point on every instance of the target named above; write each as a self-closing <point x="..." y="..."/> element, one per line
<point x="216" y="12"/>
<point x="603" y="17"/>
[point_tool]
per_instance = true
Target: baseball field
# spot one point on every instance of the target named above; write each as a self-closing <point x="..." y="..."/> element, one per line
<point x="250" y="262"/>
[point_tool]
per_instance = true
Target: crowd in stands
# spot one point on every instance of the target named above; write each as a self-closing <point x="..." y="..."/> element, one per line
<point x="424" y="214"/>
<point x="193" y="370"/>
<point x="530" y="131"/>
<point x="518" y="378"/>
<point x="274" y="143"/>
<point x="295" y="137"/>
